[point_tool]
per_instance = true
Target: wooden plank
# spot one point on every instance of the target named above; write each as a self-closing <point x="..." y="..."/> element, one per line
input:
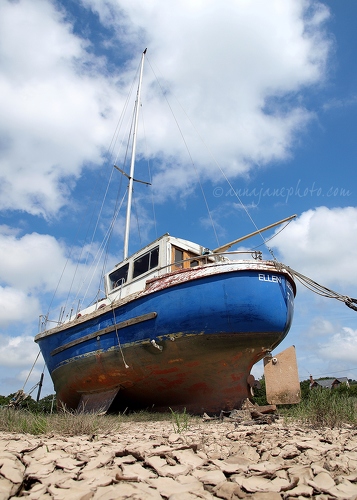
<point x="282" y="378"/>
<point x="104" y="331"/>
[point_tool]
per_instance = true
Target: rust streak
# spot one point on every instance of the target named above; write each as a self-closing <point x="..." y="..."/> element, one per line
<point x="165" y="372"/>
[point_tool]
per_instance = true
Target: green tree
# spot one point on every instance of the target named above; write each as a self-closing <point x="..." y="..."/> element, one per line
<point x="260" y="397"/>
<point x="305" y="389"/>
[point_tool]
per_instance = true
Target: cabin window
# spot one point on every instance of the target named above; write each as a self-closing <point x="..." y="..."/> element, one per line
<point x="181" y="259"/>
<point x="119" y="276"/>
<point x="178" y="258"/>
<point x="146" y="262"/>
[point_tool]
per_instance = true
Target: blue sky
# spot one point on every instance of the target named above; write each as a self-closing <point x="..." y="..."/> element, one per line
<point x="265" y="95"/>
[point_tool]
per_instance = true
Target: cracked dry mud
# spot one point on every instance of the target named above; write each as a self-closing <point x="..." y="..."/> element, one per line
<point x="213" y="459"/>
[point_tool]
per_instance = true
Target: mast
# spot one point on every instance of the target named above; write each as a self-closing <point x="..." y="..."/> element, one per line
<point x="132" y="163"/>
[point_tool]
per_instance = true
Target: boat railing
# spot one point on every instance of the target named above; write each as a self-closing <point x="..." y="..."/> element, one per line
<point x="207" y="259"/>
<point x="43" y="321"/>
<point x="211" y="258"/>
<point x="202" y="260"/>
<point x="255" y="254"/>
<point x="119" y="284"/>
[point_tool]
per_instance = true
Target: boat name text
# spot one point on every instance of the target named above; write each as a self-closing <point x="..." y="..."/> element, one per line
<point x="269" y="277"/>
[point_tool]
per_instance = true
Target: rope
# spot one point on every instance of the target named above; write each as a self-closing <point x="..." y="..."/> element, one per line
<point x="317" y="288"/>
<point x="119" y="344"/>
<point x="33" y="366"/>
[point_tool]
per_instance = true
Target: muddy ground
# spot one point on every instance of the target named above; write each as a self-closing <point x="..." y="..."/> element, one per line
<point x="208" y="460"/>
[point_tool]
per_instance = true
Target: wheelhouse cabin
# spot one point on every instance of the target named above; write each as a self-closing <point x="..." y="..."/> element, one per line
<point x="164" y="255"/>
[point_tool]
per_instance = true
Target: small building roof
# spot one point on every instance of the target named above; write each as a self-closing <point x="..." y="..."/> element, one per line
<point x="329" y="382"/>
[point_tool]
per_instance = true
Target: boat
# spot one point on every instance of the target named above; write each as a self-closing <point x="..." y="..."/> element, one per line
<point x="180" y="326"/>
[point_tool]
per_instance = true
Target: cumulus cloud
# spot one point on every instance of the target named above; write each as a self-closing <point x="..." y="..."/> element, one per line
<point x="320" y="327"/>
<point x="53" y="100"/>
<point x="239" y="87"/>
<point x="35" y="264"/>
<point x="21" y="366"/>
<point x="237" y="72"/>
<point x="321" y="244"/>
<point x="31" y="262"/>
<point x="17" y="306"/>
<point x="335" y="355"/>
<point x="341" y="346"/>
<point x="17" y="351"/>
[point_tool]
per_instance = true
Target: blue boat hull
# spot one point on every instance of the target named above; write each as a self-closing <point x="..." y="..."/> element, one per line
<point x="192" y="345"/>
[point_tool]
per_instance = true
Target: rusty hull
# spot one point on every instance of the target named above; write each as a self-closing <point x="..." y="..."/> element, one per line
<point x="199" y="373"/>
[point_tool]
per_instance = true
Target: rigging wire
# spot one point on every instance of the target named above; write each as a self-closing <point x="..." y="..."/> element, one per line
<point x="273" y="236"/>
<point x="137" y="216"/>
<point x="188" y="152"/>
<point x="109" y="155"/>
<point x="135" y="203"/>
<point x="149" y="170"/>
<point x="107" y="237"/>
<point x="338" y="371"/>
<point x="220" y="169"/>
<point x="102" y="247"/>
<point x="118" y="339"/>
<point x="116" y="210"/>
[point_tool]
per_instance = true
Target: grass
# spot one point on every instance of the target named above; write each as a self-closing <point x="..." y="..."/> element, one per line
<point x="180" y="420"/>
<point x="22" y="422"/>
<point x="324" y="408"/>
<point x="63" y="423"/>
<point x="68" y="423"/>
<point x="320" y="408"/>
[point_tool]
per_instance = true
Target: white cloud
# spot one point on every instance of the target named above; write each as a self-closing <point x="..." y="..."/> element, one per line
<point x="342" y="346"/>
<point x="53" y="101"/>
<point x="321" y="244"/>
<point x="237" y="71"/>
<point x="319" y="327"/>
<point x="17" y="351"/>
<point x="335" y="103"/>
<point x="21" y="366"/>
<point x="265" y="49"/>
<point x="35" y="264"/>
<point x="17" y="306"/>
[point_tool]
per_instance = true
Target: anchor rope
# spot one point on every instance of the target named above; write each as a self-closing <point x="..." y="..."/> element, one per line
<point x="33" y="366"/>
<point x="118" y="339"/>
<point x="315" y="287"/>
